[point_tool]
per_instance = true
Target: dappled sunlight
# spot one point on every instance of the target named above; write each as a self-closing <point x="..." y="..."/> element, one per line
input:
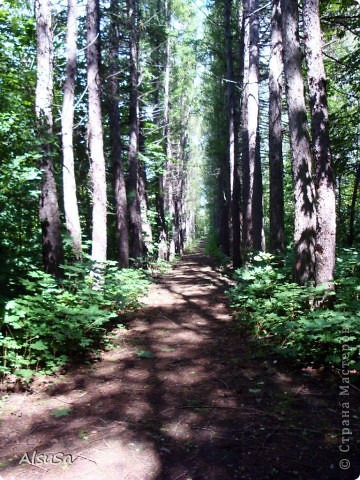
<point x="181" y="395"/>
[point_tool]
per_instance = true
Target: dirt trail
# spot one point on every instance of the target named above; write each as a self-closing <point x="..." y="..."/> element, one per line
<point x="182" y="396"/>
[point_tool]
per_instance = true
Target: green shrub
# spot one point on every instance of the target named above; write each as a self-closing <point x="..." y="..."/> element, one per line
<point x="56" y="320"/>
<point x="284" y="315"/>
<point x="212" y="248"/>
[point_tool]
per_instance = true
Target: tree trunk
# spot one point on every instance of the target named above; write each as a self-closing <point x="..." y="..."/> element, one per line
<point x="95" y="134"/>
<point x="305" y="212"/>
<point x="275" y="133"/>
<point x="163" y="246"/>
<point x="224" y="205"/>
<point x="229" y="81"/>
<point x="245" y="160"/>
<point x="253" y="210"/>
<point x="115" y="139"/>
<point x="236" y="213"/>
<point x="136" y="241"/>
<point x="233" y="144"/>
<point x="169" y="180"/>
<point x="48" y="205"/>
<point x="325" y="188"/>
<point x="67" y="124"/>
<point x="351" y="235"/>
<point x="143" y="198"/>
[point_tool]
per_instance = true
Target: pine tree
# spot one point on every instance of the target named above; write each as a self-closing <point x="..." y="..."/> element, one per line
<point x="49" y="208"/>
<point x="275" y="132"/>
<point x="325" y="190"/>
<point x="304" y="194"/>
<point x="95" y="136"/>
<point x="115" y="140"/>
<point x="67" y="124"/>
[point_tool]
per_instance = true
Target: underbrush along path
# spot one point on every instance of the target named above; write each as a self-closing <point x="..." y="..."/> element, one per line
<point x="183" y="395"/>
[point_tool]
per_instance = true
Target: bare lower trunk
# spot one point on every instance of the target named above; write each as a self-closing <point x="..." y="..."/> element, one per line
<point x="351" y="235"/>
<point x="275" y="133"/>
<point x="167" y="179"/>
<point x="233" y="144"/>
<point x="143" y="199"/>
<point x="136" y="241"/>
<point x="230" y="104"/>
<point x="325" y="189"/>
<point x="236" y="210"/>
<point x="253" y="212"/>
<point x="245" y="160"/>
<point x="224" y="206"/>
<point x="115" y="139"/>
<point x="95" y="133"/>
<point x="305" y="212"/>
<point x="67" y="124"/>
<point x="48" y="206"/>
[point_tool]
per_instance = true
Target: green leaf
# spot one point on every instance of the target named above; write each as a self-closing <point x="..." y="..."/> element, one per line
<point x="61" y="412"/>
<point x="24" y="374"/>
<point x="145" y="354"/>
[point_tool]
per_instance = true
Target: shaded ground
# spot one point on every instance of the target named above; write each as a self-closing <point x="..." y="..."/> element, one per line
<point x="182" y="396"/>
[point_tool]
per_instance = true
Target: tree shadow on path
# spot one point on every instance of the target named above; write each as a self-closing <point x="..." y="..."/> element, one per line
<point x="183" y="396"/>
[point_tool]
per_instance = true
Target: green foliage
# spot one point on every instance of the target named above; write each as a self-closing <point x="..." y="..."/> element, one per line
<point x="61" y="412"/>
<point x="145" y="354"/>
<point x="19" y="177"/>
<point x="284" y="314"/>
<point x="56" y="320"/>
<point x="212" y="248"/>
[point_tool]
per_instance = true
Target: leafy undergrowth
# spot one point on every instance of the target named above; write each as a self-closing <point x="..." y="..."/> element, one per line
<point x="183" y="395"/>
<point x="283" y="315"/>
<point x="213" y="249"/>
<point x="58" y="320"/>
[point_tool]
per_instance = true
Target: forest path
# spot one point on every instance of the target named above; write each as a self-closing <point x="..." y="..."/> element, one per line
<point x="182" y="396"/>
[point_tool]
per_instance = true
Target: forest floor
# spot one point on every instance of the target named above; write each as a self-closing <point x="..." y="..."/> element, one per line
<point x="182" y="395"/>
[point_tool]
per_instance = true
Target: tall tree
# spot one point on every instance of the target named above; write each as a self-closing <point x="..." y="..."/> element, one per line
<point x="275" y="132"/>
<point x="136" y="241"/>
<point x="67" y="124"/>
<point x="169" y="177"/>
<point x="304" y="193"/>
<point x="245" y="159"/>
<point x="233" y="136"/>
<point x="48" y="208"/>
<point x="325" y="190"/>
<point x="95" y="135"/>
<point x="253" y="231"/>
<point x="160" y="46"/>
<point x="115" y="139"/>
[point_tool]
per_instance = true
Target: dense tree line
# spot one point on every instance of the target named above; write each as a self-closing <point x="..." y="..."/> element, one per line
<point x="269" y="54"/>
<point x="113" y="159"/>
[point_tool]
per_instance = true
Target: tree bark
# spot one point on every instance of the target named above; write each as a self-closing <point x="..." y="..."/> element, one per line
<point x="245" y="159"/>
<point x="275" y="133"/>
<point x="67" y="124"/>
<point x="351" y="234"/>
<point x="48" y="205"/>
<point x="95" y="135"/>
<point x="233" y="144"/>
<point x="325" y="188"/>
<point x="136" y="241"/>
<point x="115" y="139"/>
<point x="162" y="57"/>
<point x="143" y="197"/>
<point x="305" y="211"/>
<point x="224" y="205"/>
<point x="252" y="182"/>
